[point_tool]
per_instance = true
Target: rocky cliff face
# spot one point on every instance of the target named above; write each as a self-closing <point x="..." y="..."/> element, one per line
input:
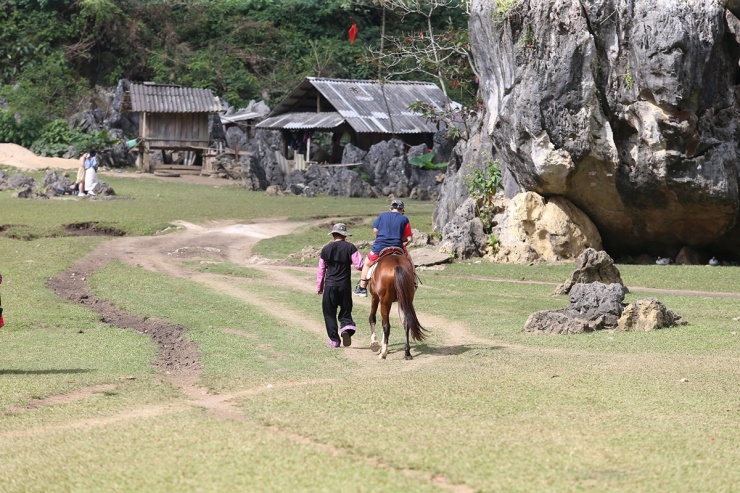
<point x="628" y="108"/>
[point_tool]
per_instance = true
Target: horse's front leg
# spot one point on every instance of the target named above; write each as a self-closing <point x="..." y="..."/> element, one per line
<point x="374" y="346"/>
<point x="385" y="315"/>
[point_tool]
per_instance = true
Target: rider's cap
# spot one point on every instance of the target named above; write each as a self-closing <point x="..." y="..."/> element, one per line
<point x="397" y="204"/>
<point x="340" y="228"/>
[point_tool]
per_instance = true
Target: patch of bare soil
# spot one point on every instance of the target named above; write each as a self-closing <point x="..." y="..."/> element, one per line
<point x="175" y="354"/>
<point x="92" y="229"/>
<point x="75" y="395"/>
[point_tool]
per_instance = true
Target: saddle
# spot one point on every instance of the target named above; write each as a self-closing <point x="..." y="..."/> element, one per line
<point x="385" y="251"/>
<point x="391" y="251"/>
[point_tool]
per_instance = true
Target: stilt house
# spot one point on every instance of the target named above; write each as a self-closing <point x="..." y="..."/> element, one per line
<point x="171" y="118"/>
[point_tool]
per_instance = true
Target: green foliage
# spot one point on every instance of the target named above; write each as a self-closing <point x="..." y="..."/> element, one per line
<point x="17" y="131"/>
<point x="56" y="137"/>
<point x="629" y="81"/>
<point x="426" y="161"/>
<point x="483" y="184"/>
<point x="492" y="242"/>
<point x="227" y="77"/>
<point x="363" y="176"/>
<point x="44" y="89"/>
<point x="504" y="9"/>
<point x="29" y="33"/>
<point x="52" y="52"/>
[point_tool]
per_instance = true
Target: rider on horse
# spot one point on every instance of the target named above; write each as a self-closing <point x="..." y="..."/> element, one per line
<point x="392" y="229"/>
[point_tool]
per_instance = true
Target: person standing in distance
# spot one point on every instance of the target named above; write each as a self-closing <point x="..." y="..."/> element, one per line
<point x="90" y="162"/>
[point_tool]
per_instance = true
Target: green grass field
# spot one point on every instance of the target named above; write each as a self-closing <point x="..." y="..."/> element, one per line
<point x="500" y="411"/>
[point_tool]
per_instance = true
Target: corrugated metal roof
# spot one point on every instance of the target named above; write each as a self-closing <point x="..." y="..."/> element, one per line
<point x="240" y="117"/>
<point x="367" y="106"/>
<point x="303" y="121"/>
<point x="155" y="98"/>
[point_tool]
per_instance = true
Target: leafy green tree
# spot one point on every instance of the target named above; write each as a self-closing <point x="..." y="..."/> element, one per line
<point x="53" y="51"/>
<point x="45" y="88"/>
<point x="433" y="45"/>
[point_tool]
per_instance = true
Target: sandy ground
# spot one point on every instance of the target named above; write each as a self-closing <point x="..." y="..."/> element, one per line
<point x="25" y="160"/>
<point x="20" y="157"/>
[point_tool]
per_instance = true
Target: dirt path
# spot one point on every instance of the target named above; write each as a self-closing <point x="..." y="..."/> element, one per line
<point x="178" y="359"/>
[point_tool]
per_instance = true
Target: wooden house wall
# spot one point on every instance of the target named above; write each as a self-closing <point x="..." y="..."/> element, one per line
<point x="175" y="130"/>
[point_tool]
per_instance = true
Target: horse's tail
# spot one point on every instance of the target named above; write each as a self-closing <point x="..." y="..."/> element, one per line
<point x="404" y="278"/>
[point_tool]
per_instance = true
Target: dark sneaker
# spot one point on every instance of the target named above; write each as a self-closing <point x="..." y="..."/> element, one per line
<point x="360" y="291"/>
<point x="346" y="335"/>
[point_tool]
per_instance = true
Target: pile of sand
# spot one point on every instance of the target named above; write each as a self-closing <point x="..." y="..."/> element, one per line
<point x="20" y="157"/>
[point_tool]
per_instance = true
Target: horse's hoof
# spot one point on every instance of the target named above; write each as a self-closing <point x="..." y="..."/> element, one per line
<point x="408" y="357"/>
<point x="375" y="346"/>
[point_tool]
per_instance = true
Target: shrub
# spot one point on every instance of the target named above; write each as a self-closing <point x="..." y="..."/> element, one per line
<point x="17" y="131"/>
<point x="426" y="161"/>
<point x="482" y="186"/>
<point x="56" y="137"/>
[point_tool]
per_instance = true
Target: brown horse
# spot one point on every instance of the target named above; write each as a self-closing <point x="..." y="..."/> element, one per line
<point x="393" y="280"/>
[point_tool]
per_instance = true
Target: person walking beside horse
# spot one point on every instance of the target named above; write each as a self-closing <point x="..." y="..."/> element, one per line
<point x="334" y="281"/>
<point x="392" y="229"/>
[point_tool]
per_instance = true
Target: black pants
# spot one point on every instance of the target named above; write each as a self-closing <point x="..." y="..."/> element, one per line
<point x="337" y="297"/>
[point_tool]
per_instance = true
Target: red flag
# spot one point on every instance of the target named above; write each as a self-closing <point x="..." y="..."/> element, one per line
<point x="352" y="31"/>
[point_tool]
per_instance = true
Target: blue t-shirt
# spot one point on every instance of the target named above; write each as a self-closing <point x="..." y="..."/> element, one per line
<point x="391" y="227"/>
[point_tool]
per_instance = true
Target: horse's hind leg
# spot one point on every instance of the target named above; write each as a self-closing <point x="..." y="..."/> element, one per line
<point x="408" y="345"/>
<point x="385" y="315"/>
<point x="374" y="346"/>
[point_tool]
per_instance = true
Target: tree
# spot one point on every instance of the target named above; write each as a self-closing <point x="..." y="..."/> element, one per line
<point x="440" y="52"/>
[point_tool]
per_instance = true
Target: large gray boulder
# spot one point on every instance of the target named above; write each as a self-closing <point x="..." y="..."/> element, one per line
<point x="126" y="121"/>
<point x="593" y="306"/>
<point x="627" y="108"/>
<point x="236" y="138"/>
<point x="388" y="168"/>
<point x="453" y="191"/>
<point x="464" y="236"/>
<point x="320" y="180"/>
<point x="261" y="151"/>
<point x="592" y="266"/>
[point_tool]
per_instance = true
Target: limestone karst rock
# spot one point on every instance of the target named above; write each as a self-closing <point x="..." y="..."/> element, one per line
<point x="627" y="108"/>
